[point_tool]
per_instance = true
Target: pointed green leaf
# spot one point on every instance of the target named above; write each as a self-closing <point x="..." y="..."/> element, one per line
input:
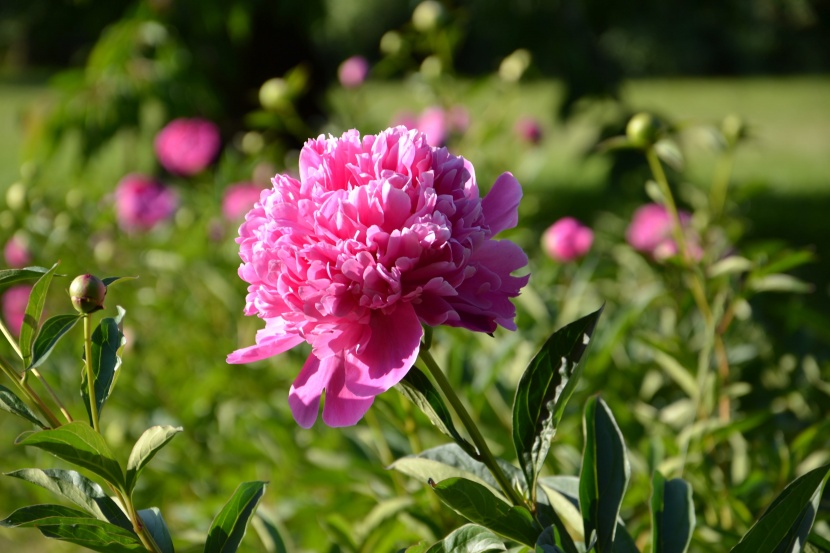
<point x="228" y="528"/>
<point x="13" y="276"/>
<point x="107" y="339"/>
<point x="112" y="280"/>
<point x="14" y="405"/>
<point x="479" y="505"/>
<point x="672" y="515"/>
<point x="470" y="538"/>
<point x="150" y="442"/>
<point x="40" y="515"/>
<point x="50" y="333"/>
<point x="555" y="540"/>
<point x="270" y="533"/>
<point x="155" y="524"/>
<point x="786" y="524"/>
<point x="604" y="476"/>
<point x="80" y="445"/>
<point x="78" y="489"/>
<point x="34" y="309"/>
<point x="543" y="391"/>
<point x="418" y="389"/>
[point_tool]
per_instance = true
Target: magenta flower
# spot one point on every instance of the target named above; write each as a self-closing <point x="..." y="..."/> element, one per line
<point x="352" y="72"/>
<point x="14" y="302"/>
<point x="650" y="232"/>
<point x="239" y="199"/>
<point x="141" y="203"/>
<point x="529" y="130"/>
<point x="567" y="239"/>
<point x="186" y="146"/>
<point x="16" y="253"/>
<point x="380" y="235"/>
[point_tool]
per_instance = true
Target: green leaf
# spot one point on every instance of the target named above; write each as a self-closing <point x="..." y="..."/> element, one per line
<point x="80" y="445"/>
<point x="229" y="526"/>
<point x="50" y="333"/>
<point x="563" y="495"/>
<point x="817" y="544"/>
<point x="155" y="524"/>
<point x="270" y="533"/>
<point x="785" y="525"/>
<point x="479" y="505"/>
<point x="107" y="339"/>
<point x="543" y="391"/>
<point x="604" y="475"/>
<point x="419" y="390"/>
<point x="78" y="489"/>
<point x="668" y="151"/>
<point x="555" y="540"/>
<point x="150" y="442"/>
<point x="34" y="309"/>
<point x="12" y="276"/>
<point x="672" y="515"/>
<point x="112" y="280"/>
<point x="470" y="538"/>
<point x="14" y="405"/>
<point x="74" y="526"/>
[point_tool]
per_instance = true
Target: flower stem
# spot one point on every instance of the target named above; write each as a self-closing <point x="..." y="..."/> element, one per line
<point x="90" y="377"/>
<point x="484" y="451"/>
<point x="720" y="183"/>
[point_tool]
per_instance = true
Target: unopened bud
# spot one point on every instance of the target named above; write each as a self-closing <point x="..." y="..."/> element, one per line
<point x="642" y="130"/>
<point x="87" y="293"/>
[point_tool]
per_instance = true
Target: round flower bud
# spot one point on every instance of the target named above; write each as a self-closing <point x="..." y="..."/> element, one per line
<point x="642" y="129"/>
<point x="733" y="129"/>
<point x="87" y="293"/>
<point x="273" y="94"/>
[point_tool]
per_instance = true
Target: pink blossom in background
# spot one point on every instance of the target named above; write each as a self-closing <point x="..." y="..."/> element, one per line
<point x="186" y="146"/>
<point x="141" y="203"/>
<point x="16" y="253"/>
<point x="352" y="72"/>
<point x="239" y="199"/>
<point x="567" y="239"/>
<point x="14" y="302"/>
<point x="436" y="122"/>
<point x="379" y="235"/>
<point x="650" y="232"/>
<point x="528" y="129"/>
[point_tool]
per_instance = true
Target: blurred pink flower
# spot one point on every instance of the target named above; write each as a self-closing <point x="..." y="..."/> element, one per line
<point x="650" y="232"/>
<point x="141" y="202"/>
<point x="16" y="253"/>
<point x="352" y="72"/>
<point x="239" y="199"/>
<point x="14" y="302"/>
<point x="380" y="235"/>
<point x="186" y="146"/>
<point x="436" y="123"/>
<point x="567" y="239"/>
<point x="528" y="129"/>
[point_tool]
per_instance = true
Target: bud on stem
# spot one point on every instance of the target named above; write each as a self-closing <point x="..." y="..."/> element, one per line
<point x="87" y="293"/>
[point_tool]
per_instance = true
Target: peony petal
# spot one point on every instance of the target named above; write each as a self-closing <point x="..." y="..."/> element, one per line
<point x="388" y="355"/>
<point x="501" y="204"/>
<point x="304" y="396"/>
<point x="266" y="346"/>
<point x="342" y="407"/>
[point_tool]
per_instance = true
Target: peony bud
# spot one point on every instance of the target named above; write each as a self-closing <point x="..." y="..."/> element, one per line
<point x="87" y="293"/>
<point x="642" y="130"/>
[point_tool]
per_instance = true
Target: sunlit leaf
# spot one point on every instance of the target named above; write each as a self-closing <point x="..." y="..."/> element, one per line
<point x="14" y="405"/>
<point x="229" y="526"/>
<point x="50" y="333"/>
<point x="150" y="442"/>
<point x="13" y="276"/>
<point x="470" y="538"/>
<point x="155" y="524"/>
<point x="107" y="339"/>
<point x="34" y="310"/>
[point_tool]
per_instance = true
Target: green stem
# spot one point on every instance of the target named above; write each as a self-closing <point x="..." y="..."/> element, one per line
<point x="720" y="183"/>
<point x="484" y="451"/>
<point x="139" y="527"/>
<point x="26" y="390"/>
<point x="90" y="377"/>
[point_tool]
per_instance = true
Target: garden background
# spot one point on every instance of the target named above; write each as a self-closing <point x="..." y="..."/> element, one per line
<point x="530" y="87"/>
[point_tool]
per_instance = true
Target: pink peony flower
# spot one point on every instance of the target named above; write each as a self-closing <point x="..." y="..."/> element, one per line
<point x="528" y="129"/>
<point x="650" y="232"/>
<point x="141" y="203"/>
<point x="352" y="72"/>
<point x="186" y="146"/>
<point x="436" y="123"/>
<point x="567" y="239"/>
<point x="14" y="302"/>
<point x="239" y="199"/>
<point x="16" y="253"/>
<point x="380" y="235"/>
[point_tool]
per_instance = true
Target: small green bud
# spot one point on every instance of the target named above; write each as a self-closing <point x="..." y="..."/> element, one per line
<point x="642" y="130"/>
<point x="427" y="15"/>
<point x="274" y="93"/>
<point x="87" y="293"/>
<point x="733" y="129"/>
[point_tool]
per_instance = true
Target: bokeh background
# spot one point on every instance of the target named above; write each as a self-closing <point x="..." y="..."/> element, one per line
<point x="533" y="87"/>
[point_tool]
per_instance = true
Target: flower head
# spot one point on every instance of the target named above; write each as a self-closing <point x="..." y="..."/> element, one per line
<point x="141" y="202"/>
<point x="238" y="200"/>
<point x="567" y="239"/>
<point x="352" y="72"/>
<point x="650" y="232"/>
<point x="14" y="302"/>
<point x="379" y="235"/>
<point x="528" y="129"/>
<point x="16" y="252"/>
<point x="186" y="146"/>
